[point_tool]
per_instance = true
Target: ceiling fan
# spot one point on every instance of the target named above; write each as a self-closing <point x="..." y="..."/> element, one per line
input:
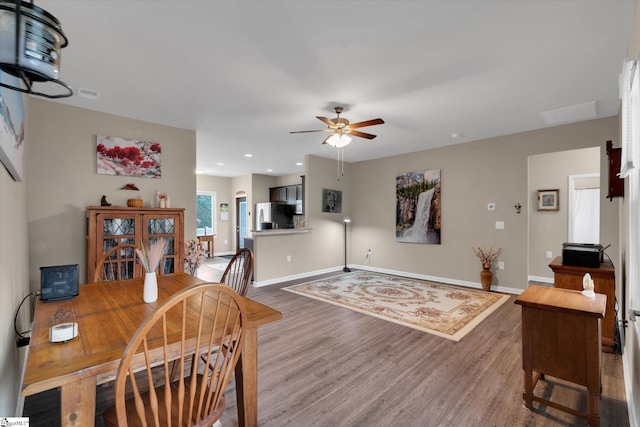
<point x="340" y="129"/>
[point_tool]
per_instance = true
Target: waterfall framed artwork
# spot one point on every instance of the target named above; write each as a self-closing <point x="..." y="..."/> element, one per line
<point x="11" y="127"/>
<point x="120" y="156"/>
<point x="418" y="207"/>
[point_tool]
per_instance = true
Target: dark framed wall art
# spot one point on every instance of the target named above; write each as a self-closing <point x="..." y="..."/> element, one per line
<point x="331" y="201"/>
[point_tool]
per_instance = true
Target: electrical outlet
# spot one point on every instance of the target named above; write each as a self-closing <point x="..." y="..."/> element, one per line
<point x="369" y="252"/>
<point x="288" y="258"/>
<point x="500" y="265"/>
<point x="549" y="254"/>
<point x="491" y="207"/>
<point x="225" y="241"/>
<point x="499" y="225"/>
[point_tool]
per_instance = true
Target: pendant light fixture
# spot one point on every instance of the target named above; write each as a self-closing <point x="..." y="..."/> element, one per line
<point x="30" y="44"/>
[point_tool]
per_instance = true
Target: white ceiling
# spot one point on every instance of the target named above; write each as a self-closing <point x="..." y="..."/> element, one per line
<point x="242" y="74"/>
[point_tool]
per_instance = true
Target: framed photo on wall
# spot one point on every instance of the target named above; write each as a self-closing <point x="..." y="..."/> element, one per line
<point x="331" y="201"/>
<point x="548" y="200"/>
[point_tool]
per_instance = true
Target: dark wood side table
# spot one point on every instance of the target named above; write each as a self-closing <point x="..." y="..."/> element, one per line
<point x="604" y="281"/>
<point x="561" y="338"/>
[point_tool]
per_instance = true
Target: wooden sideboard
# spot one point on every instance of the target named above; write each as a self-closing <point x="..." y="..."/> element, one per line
<point x="108" y="226"/>
<point x="561" y="338"/>
<point x="604" y="281"/>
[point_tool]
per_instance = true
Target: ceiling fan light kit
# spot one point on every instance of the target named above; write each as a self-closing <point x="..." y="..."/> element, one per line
<point x="338" y="140"/>
<point x="342" y="129"/>
<point x="30" y="44"/>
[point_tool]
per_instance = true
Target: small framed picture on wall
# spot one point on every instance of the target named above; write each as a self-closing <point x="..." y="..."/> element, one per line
<point x="548" y="200"/>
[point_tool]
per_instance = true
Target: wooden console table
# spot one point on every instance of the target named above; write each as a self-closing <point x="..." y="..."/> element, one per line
<point x="208" y="239"/>
<point x="604" y="281"/>
<point x="561" y="338"/>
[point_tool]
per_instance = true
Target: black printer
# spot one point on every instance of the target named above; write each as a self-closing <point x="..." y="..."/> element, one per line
<point x="582" y="254"/>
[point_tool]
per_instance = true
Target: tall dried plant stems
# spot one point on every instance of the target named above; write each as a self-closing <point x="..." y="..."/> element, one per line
<point x="487" y="256"/>
<point x="150" y="258"/>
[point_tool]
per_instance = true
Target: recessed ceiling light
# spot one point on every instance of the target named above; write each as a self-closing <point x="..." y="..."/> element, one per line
<point x="248" y="155"/>
<point x="269" y="170"/>
<point x="299" y="164"/>
<point x="220" y="164"/>
<point x="199" y="171"/>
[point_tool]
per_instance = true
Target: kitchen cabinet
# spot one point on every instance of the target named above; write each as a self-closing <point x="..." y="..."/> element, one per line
<point x="108" y="226"/>
<point x="278" y="194"/>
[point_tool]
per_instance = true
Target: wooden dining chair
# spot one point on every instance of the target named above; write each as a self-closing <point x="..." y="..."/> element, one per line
<point x="207" y="317"/>
<point x="119" y="262"/>
<point x="239" y="271"/>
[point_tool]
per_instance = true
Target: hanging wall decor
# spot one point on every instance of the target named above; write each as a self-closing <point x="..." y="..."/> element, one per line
<point x="331" y="201"/>
<point x="418" y="202"/>
<point x="119" y="156"/>
<point x="11" y="128"/>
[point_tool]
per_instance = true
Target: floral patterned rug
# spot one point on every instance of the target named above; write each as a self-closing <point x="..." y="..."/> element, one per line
<point x="439" y="309"/>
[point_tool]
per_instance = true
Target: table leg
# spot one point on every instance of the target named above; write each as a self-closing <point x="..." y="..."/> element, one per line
<point x="78" y="403"/>
<point x="247" y="381"/>
<point x="527" y="395"/>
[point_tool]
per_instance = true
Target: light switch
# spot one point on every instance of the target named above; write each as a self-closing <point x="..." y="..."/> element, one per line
<point x="499" y="225"/>
<point x="549" y="254"/>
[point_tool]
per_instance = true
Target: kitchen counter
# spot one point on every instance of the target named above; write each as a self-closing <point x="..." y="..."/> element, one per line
<point x="280" y="231"/>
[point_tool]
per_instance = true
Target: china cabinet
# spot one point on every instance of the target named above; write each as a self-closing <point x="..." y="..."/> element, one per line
<point x="108" y="226"/>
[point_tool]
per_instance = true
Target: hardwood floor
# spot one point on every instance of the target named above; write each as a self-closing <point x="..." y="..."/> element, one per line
<point x="323" y="365"/>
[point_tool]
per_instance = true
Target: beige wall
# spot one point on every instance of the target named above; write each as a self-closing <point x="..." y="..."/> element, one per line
<point x="548" y="230"/>
<point x="61" y="172"/>
<point x="14" y="285"/>
<point x="321" y="249"/>
<point x="473" y="175"/>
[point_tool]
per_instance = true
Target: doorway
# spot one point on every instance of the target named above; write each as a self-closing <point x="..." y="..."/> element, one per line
<point x="241" y="222"/>
<point x="549" y="229"/>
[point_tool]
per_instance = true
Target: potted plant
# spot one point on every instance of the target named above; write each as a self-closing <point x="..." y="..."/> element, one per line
<point x="487" y="258"/>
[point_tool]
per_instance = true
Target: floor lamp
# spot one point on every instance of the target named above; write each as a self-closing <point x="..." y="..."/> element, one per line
<point x="346" y="221"/>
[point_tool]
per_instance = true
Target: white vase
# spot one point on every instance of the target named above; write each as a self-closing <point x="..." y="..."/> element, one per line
<point x="150" y="292"/>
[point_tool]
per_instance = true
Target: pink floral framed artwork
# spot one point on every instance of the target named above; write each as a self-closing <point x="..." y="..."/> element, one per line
<point x="120" y="156"/>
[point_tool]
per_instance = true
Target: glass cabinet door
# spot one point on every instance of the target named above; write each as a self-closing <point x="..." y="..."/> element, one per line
<point x="159" y="226"/>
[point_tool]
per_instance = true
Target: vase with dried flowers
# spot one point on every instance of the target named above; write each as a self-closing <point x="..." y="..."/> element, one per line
<point x="193" y="256"/>
<point x="162" y="200"/>
<point x="487" y="258"/>
<point x="150" y="259"/>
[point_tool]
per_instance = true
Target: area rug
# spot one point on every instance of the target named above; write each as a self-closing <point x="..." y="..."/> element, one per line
<point x="221" y="267"/>
<point x="443" y="310"/>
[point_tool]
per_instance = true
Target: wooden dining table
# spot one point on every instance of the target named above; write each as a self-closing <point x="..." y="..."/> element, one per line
<point x="107" y="315"/>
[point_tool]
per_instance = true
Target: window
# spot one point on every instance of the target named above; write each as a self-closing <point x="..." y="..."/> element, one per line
<point x="206" y="213"/>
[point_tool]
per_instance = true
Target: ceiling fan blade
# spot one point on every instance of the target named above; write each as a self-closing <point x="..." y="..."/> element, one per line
<point x="307" y="131"/>
<point x="361" y="134"/>
<point x="366" y="123"/>
<point x="327" y="121"/>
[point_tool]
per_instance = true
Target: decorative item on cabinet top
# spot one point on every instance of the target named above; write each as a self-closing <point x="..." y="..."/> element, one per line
<point x="108" y="226"/>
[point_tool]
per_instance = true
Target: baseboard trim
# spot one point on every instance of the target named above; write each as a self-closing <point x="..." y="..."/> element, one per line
<point x="281" y="279"/>
<point x="634" y="417"/>
<point x="475" y="285"/>
<point x="23" y="354"/>
<point x="541" y="279"/>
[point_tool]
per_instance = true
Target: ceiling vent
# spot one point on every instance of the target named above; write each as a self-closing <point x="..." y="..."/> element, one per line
<point x="30" y="44"/>
<point x="575" y="113"/>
